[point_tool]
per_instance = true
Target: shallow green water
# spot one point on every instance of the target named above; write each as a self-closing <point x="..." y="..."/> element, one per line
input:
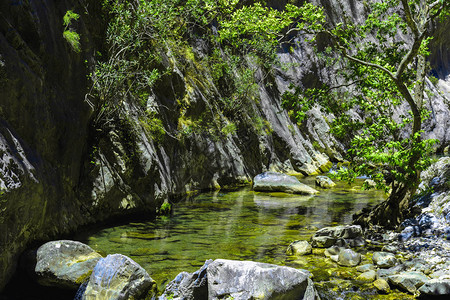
<point x="241" y="225"/>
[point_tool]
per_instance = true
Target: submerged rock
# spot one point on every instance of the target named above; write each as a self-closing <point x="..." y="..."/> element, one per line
<point x="277" y="182"/>
<point x="384" y="259"/>
<point x="324" y="182"/>
<point x="228" y="279"/>
<point x="117" y="277"/>
<point x="188" y="286"/>
<point x="299" y="248"/>
<point x="65" y="263"/>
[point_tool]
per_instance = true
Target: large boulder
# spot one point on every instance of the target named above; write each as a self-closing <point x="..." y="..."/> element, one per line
<point x="64" y="263"/>
<point x="349" y="235"/>
<point x="228" y="279"/>
<point x="277" y="182"/>
<point x="117" y="277"/>
<point x="188" y="286"/>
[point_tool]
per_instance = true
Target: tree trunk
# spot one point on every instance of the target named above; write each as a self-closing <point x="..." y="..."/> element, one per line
<point x="389" y="213"/>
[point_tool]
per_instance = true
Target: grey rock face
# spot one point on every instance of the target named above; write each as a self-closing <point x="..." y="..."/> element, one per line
<point x="117" y="277"/>
<point x="299" y="248"/>
<point x="409" y="281"/>
<point x="251" y="280"/>
<point x="349" y="258"/>
<point x="384" y="259"/>
<point x="277" y="182"/>
<point x="188" y="286"/>
<point x="324" y="182"/>
<point x="65" y="264"/>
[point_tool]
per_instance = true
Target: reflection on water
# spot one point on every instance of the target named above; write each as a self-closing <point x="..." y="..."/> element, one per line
<point x="242" y="225"/>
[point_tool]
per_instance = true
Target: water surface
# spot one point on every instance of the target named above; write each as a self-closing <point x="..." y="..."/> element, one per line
<point x="240" y="225"/>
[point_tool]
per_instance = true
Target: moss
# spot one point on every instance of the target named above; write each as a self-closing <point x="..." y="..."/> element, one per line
<point x="165" y="209"/>
<point x="153" y="126"/>
<point x="84" y="277"/>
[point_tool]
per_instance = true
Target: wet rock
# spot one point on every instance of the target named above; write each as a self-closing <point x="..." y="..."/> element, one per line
<point x="65" y="263"/>
<point x="277" y="182"/>
<point x="349" y="258"/>
<point x="324" y="182"/>
<point x="344" y="235"/>
<point x="117" y="277"/>
<point x="369" y="276"/>
<point x="251" y="280"/>
<point x="365" y="268"/>
<point x="435" y="287"/>
<point x="299" y="248"/>
<point x="409" y="281"/>
<point x="381" y="285"/>
<point x="188" y="286"/>
<point x="384" y="259"/>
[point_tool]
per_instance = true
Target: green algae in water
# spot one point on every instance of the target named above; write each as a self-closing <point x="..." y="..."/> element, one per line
<point x="242" y="225"/>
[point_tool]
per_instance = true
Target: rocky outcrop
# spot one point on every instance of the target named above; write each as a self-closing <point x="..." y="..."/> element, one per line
<point x="276" y="182"/>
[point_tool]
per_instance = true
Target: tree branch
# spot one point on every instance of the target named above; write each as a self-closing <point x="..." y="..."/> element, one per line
<point x="409" y="19"/>
<point x="362" y="62"/>
<point x="410" y="55"/>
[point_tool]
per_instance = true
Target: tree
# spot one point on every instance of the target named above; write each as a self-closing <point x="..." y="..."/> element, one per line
<point x="386" y="71"/>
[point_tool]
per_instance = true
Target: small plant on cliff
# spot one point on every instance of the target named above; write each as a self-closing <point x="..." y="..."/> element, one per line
<point x="69" y="34"/>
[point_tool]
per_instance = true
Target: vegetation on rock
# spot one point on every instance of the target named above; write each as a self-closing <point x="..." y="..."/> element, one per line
<point x="380" y="62"/>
